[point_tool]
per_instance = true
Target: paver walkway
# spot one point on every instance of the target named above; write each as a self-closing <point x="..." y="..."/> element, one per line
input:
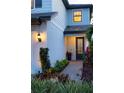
<point x="73" y="70"/>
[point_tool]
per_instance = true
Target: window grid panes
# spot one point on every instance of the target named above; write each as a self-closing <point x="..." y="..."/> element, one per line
<point x="77" y="16"/>
<point x="80" y="46"/>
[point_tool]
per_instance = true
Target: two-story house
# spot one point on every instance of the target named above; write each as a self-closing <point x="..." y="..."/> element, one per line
<point x="61" y="27"/>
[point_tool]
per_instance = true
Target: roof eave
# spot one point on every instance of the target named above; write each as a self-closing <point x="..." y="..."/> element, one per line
<point x="74" y="32"/>
<point x="76" y="6"/>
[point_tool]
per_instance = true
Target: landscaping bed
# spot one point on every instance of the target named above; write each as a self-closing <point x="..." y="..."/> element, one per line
<point x="87" y="73"/>
<point x="87" y="58"/>
<point x="50" y="86"/>
<point x="54" y="82"/>
<point x="53" y="72"/>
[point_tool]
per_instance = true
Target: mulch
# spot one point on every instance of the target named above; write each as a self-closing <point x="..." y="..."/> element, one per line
<point x="87" y="72"/>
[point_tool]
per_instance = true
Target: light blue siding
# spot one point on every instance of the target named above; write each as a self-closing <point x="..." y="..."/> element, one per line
<point x="60" y="18"/>
<point x="85" y="17"/>
<point x="46" y="7"/>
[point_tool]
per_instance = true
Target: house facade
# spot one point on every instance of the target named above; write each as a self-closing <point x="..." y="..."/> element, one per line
<point x="61" y="27"/>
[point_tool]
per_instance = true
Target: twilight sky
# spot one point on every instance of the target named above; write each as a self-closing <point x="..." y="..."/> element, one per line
<point x="80" y="1"/>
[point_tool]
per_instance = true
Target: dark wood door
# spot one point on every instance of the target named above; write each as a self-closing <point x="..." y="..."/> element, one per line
<point x="79" y="47"/>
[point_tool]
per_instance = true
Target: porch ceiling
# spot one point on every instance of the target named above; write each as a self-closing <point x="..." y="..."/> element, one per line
<point x="76" y="29"/>
<point x="38" y="18"/>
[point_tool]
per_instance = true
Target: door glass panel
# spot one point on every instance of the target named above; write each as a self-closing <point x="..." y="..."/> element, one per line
<point x="79" y="46"/>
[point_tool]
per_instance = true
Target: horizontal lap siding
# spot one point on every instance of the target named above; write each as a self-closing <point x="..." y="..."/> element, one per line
<point x="46" y="7"/>
<point x="60" y="18"/>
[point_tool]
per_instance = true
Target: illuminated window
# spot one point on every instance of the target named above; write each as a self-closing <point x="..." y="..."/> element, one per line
<point x="36" y="4"/>
<point x="77" y="16"/>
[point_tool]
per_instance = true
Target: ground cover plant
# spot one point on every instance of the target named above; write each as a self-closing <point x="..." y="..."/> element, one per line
<point x="49" y="86"/>
<point x="54" y="72"/>
<point x="60" y="65"/>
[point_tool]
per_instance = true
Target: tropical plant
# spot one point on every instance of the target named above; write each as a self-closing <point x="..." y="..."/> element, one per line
<point x="44" y="58"/>
<point x="48" y="86"/>
<point x="84" y="57"/>
<point x="89" y="35"/>
<point x="60" y="65"/>
<point x="87" y="57"/>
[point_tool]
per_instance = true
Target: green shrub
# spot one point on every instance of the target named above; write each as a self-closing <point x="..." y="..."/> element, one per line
<point x="44" y="58"/>
<point x="84" y="57"/>
<point x="51" y="70"/>
<point x="48" y="86"/>
<point x="90" y="40"/>
<point x="88" y="56"/>
<point x="60" y="65"/>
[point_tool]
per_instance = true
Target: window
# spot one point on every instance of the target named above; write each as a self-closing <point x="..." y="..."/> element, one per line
<point x="77" y="16"/>
<point x="36" y="4"/>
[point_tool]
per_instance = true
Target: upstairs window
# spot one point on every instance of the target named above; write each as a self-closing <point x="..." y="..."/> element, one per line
<point x="77" y="16"/>
<point x="36" y="4"/>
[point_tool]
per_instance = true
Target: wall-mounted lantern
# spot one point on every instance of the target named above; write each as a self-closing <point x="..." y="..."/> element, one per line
<point x="39" y="37"/>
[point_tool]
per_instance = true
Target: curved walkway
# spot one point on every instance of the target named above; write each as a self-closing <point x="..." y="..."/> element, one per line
<point x="73" y="70"/>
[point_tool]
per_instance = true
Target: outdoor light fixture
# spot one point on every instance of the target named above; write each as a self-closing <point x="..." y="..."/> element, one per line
<point x="39" y="37"/>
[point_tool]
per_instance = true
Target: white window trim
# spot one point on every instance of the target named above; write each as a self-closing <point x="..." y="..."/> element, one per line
<point x="73" y="13"/>
<point x="34" y="5"/>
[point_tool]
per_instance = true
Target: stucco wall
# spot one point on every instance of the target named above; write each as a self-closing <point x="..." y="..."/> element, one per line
<point x="70" y="46"/>
<point x="55" y="28"/>
<point x="55" y="43"/>
<point x="35" y="45"/>
<point x="85" y="17"/>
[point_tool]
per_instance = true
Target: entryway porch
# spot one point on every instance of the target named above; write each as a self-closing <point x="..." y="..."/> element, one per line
<point x="75" y="46"/>
<point x="75" y="41"/>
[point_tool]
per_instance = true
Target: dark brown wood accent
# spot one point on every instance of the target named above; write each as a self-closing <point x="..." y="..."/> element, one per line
<point x="36" y="21"/>
<point x="78" y="56"/>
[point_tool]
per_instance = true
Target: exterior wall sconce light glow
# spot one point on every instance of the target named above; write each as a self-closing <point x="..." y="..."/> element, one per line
<point x="39" y="37"/>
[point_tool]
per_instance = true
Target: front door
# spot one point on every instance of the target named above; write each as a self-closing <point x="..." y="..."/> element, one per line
<point x="79" y="47"/>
